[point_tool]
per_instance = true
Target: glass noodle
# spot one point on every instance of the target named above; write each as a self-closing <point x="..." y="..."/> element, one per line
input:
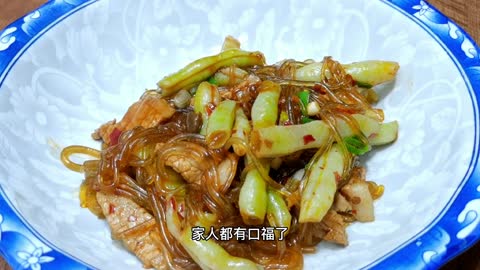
<point x="143" y="164"/>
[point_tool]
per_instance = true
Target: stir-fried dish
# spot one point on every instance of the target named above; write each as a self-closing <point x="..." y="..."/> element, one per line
<point x="236" y="164"/>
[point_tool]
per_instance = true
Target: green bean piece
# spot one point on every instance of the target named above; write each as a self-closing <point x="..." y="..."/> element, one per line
<point x="370" y="95"/>
<point x="241" y="130"/>
<point x="210" y="255"/>
<point x="367" y="125"/>
<point x="366" y="73"/>
<point x="206" y="253"/>
<point x="228" y="76"/>
<point x="277" y="141"/>
<point x="371" y="73"/>
<point x="278" y="214"/>
<point x="253" y="198"/>
<point x="356" y="140"/>
<point x="253" y="194"/>
<point x="321" y="185"/>
<point x="203" y="68"/>
<point x="388" y="133"/>
<point x="375" y="113"/>
<point x="220" y="124"/>
<point x="206" y="95"/>
<point x="265" y="106"/>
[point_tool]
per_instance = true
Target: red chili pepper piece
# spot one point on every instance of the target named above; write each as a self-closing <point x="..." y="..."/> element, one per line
<point x="319" y="88"/>
<point x="308" y="139"/>
<point x="111" y="209"/>
<point x="181" y="210"/>
<point x="295" y="99"/>
<point x="173" y="204"/>
<point x="209" y="108"/>
<point x="114" y="136"/>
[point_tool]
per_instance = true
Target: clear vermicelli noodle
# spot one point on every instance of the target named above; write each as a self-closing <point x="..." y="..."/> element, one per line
<point x="77" y="149"/>
<point x="233" y="163"/>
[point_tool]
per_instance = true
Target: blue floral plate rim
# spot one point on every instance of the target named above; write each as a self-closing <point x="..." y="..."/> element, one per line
<point x="24" y="248"/>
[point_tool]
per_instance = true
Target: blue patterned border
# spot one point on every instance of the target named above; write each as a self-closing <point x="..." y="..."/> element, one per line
<point x="453" y="231"/>
<point x="458" y="226"/>
<point x="20" y="245"/>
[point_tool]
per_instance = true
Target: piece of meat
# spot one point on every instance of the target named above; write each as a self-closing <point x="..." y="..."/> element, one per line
<point x="123" y="214"/>
<point x="149" y="111"/>
<point x="357" y="194"/>
<point x="358" y="174"/>
<point x="186" y="168"/>
<point x="336" y="228"/>
<point x="341" y="204"/>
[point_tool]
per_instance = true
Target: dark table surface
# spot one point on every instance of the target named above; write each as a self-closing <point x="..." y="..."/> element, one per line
<point x="466" y="13"/>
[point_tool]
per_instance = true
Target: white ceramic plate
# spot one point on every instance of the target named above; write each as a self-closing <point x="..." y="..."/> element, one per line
<point x="72" y="65"/>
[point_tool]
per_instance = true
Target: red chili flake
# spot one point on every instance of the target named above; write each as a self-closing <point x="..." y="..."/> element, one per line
<point x="209" y="108"/>
<point x="295" y="99"/>
<point x="114" y="136"/>
<point x="111" y="209"/>
<point x="172" y="203"/>
<point x="308" y="139"/>
<point x="181" y="210"/>
<point x="338" y="177"/>
<point x="354" y="211"/>
<point x="319" y="88"/>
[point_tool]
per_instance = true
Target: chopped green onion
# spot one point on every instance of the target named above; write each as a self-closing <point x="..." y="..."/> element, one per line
<point x="355" y="145"/>
<point x="305" y="119"/>
<point x="212" y="80"/>
<point x="364" y="85"/>
<point x="304" y="97"/>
